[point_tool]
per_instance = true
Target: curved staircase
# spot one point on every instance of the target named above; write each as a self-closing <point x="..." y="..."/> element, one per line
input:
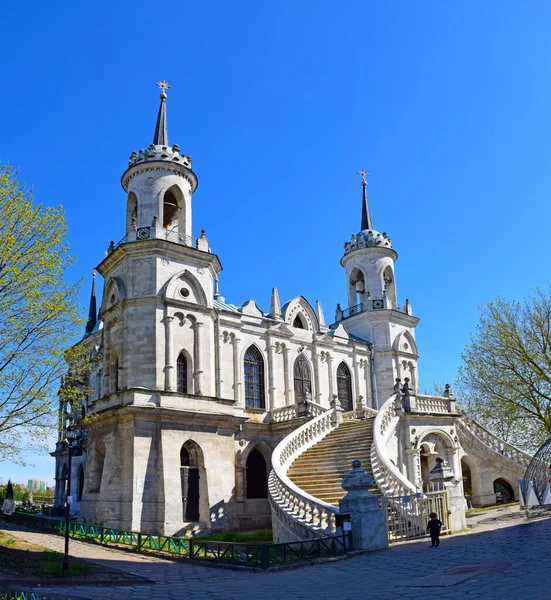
<point x="319" y="471"/>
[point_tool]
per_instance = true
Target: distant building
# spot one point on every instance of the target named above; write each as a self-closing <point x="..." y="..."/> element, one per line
<point x="36" y="485"/>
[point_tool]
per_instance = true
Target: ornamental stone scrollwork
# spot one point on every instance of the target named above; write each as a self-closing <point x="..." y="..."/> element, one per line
<point x="325" y="356"/>
<point x="228" y="337"/>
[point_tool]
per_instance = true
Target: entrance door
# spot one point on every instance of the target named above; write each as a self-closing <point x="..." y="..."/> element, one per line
<point x="190" y="493"/>
<point x="303" y="380"/>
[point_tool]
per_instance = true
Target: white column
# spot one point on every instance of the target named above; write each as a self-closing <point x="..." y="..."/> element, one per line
<point x="198" y="362"/>
<point x="169" y="355"/>
<point x="317" y="390"/>
<point x="356" y="375"/>
<point x="329" y="359"/>
<point x="237" y="396"/>
<point x="271" y="387"/>
<point x="287" y="375"/>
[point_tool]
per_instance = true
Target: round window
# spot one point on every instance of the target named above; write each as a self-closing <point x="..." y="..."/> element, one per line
<point x="184" y="292"/>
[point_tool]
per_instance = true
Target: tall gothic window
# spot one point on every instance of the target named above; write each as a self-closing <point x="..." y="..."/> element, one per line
<point x="116" y="373"/>
<point x="181" y="374"/>
<point x="254" y="379"/>
<point x="303" y="379"/>
<point x="344" y="387"/>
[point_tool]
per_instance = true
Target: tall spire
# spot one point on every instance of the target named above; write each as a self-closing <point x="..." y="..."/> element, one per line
<point x="366" y="216"/>
<point x="161" y="131"/>
<point x="92" y="313"/>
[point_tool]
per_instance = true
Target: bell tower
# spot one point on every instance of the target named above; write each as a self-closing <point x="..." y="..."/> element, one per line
<point x="158" y="279"/>
<point x="374" y="313"/>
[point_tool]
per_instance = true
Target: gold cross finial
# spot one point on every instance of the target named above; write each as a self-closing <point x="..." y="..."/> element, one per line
<point x="164" y="86"/>
<point x="363" y="175"/>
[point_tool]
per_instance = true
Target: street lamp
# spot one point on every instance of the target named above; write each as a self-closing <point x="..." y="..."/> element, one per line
<point x="73" y="449"/>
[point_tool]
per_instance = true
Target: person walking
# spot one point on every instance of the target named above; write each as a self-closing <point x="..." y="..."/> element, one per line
<point x="433" y="527"/>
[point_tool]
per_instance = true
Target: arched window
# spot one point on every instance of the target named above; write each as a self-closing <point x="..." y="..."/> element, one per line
<point x="390" y="286"/>
<point x="131" y="209"/>
<point x="344" y="387"/>
<point x="303" y="379"/>
<point x="95" y="473"/>
<point x="170" y="209"/>
<point x="80" y="489"/>
<point x="254" y="379"/>
<point x="257" y="475"/>
<point x="298" y="323"/>
<point x="181" y="374"/>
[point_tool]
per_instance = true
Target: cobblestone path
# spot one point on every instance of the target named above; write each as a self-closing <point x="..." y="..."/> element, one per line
<point x="503" y="558"/>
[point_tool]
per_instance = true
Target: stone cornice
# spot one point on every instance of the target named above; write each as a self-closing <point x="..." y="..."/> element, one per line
<point x="159" y="165"/>
<point x="370" y="250"/>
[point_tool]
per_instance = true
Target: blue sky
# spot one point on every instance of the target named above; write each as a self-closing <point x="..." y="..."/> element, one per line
<point x="446" y="104"/>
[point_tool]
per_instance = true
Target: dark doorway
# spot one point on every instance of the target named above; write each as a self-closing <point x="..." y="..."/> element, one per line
<point x="303" y="379"/>
<point x="189" y="474"/>
<point x="467" y="478"/>
<point x="503" y="491"/>
<point x="257" y="475"/>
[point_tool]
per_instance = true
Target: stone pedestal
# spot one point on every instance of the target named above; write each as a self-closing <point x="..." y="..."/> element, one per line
<point x="442" y="473"/>
<point x="369" y="527"/>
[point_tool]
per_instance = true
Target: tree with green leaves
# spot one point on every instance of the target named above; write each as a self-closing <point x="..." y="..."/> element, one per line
<point x="39" y="317"/>
<point x="505" y="378"/>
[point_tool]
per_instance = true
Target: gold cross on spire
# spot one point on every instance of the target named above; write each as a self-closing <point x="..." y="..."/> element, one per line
<point x="363" y="175"/>
<point x="164" y="86"/>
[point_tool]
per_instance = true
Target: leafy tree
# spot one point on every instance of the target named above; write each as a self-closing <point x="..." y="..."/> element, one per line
<point x="505" y="378"/>
<point x="38" y="317"/>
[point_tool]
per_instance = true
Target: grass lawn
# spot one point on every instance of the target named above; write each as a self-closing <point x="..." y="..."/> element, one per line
<point x="26" y="563"/>
<point x="264" y="535"/>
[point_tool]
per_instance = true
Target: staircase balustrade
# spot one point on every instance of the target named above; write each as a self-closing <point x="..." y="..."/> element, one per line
<point x="305" y="514"/>
<point x="388" y="477"/>
<point x="432" y="404"/>
<point x="288" y="413"/>
<point x="468" y="426"/>
<point x="360" y="413"/>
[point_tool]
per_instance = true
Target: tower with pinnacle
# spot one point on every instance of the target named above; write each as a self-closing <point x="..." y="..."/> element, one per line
<point x="373" y="311"/>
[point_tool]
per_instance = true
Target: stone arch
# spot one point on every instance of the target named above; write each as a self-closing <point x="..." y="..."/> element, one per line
<point x="389" y="285"/>
<point x="300" y="306"/>
<point x="405" y="344"/>
<point x="193" y="482"/>
<point x="97" y="462"/>
<point x="172" y="207"/>
<point x="115" y="292"/>
<point x="132" y="204"/>
<point x="252" y="463"/>
<point x="185" y="286"/>
<point x="357" y="286"/>
<point x="434" y="443"/>
<point x="504" y="491"/>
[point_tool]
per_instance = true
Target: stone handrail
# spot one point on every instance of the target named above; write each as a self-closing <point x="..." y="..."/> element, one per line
<point x="288" y="413"/>
<point x="433" y="404"/>
<point x="388" y="477"/>
<point x="309" y="515"/>
<point x="360" y="413"/>
<point x="467" y="425"/>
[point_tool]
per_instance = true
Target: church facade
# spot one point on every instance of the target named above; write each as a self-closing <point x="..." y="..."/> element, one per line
<point x="189" y="393"/>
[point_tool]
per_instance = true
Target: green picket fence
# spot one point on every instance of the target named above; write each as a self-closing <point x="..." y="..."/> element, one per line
<point x="18" y="595"/>
<point x="262" y="555"/>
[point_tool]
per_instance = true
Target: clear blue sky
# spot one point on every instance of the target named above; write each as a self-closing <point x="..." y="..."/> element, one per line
<point x="446" y="104"/>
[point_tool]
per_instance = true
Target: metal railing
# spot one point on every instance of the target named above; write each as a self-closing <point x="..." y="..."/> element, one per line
<point x="13" y="595"/>
<point x="261" y="555"/>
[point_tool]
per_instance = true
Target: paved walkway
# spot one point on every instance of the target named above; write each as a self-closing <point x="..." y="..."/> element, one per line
<point x="506" y="558"/>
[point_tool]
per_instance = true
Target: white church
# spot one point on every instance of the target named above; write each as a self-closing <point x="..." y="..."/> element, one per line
<point x="213" y="415"/>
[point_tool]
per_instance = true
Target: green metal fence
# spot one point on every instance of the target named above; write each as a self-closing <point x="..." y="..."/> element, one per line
<point x="18" y="596"/>
<point x="245" y="554"/>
